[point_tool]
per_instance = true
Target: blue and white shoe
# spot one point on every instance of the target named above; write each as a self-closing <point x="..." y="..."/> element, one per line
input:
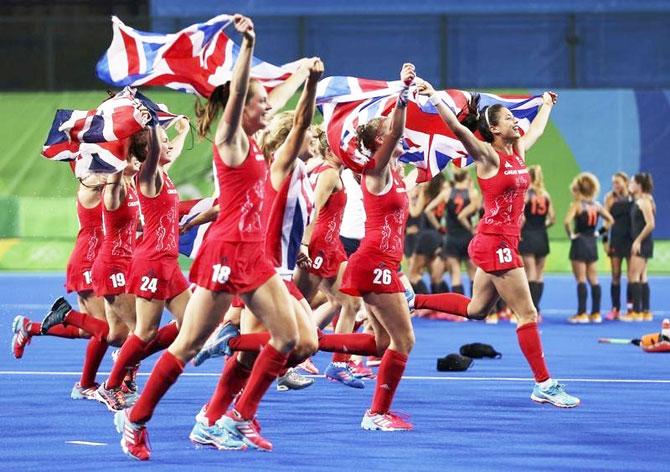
<point x="555" y="394"/>
<point x="216" y="435"/>
<point x="410" y="296"/>
<point x="83" y="393"/>
<point x="217" y="344"/>
<point x="341" y="372"/>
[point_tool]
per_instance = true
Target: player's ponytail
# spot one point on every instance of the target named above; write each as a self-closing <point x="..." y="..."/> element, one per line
<point x="367" y="136"/>
<point x="206" y="113"/>
<point x="481" y="120"/>
<point x="645" y="181"/>
<point x="139" y="144"/>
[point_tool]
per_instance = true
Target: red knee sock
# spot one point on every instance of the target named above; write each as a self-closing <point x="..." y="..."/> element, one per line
<point x="251" y="342"/>
<point x="165" y="373"/>
<point x="95" y="352"/>
<point x="389" y="375"/>
<point x="233" y="379"/>
<point x="130" y="354"/>
<point x="269" y="364"/>
<point x="341" y="357"/>
<point x="90" y="324"/>
<point x="165" y="336"/>
<point x="70" y="332"/>
<point x="354" y="343"/>
<point x="531" y="346"/>
<point x="34" y="329"/>
<point x="453" y="303"/>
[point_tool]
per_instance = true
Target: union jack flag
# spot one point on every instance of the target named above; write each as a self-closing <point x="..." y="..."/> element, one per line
<point x="195" y="59"/>
<point x="429" y="144"/>
<point x="96" y="139"/>
<point x="291" y="210"/>
<point x="191" y="240"/>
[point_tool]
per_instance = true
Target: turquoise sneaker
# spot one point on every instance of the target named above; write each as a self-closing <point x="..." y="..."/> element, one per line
<point x="217" y="344"/>
<point x="555" y="394"/>
<point x="216" y="436"/>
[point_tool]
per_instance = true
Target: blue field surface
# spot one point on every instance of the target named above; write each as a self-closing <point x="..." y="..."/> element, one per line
<point x="478" y="420"/>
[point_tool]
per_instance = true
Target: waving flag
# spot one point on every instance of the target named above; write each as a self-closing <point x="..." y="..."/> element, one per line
<point x="195" y="59"/>
<point x="429" y="144"/>
<point x="190" y="241"/>
<point x="96" y="139"/>
<point x="291" y="210"/>
<point x="116" y="118"/>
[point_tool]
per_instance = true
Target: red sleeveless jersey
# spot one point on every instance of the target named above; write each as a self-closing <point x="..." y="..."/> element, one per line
<point x="241" y="198"/>
<point x="504" y="197"/>
<point x="90" y="235"/>
<point x="386" y="216"/>
<point x="120" y="228"/>
<point x="160" y="237"/>
<point x="327" y="227"/>
<point x="86" y="248"/>
<point x="268" y="203"/>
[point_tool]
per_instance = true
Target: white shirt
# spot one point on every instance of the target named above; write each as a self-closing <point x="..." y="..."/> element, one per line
<point x="353" y="221"/>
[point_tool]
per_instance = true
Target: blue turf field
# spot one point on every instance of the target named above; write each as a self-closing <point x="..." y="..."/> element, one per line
<point x="482" y="419"/>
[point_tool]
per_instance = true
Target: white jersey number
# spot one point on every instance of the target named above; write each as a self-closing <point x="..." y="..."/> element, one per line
<point x="87" y="277"/>
<point x="504" y="255"/>
<point x="118" y="280"/>
<point x="149" y="284"/>
<point x="221" y="273"/>
<point x="382" y="277"/>
<point x="317" y="262"/>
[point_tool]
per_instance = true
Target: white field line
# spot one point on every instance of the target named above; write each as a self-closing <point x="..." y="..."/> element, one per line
<point x="86" y="443"/>
<point x="406" y="377"/>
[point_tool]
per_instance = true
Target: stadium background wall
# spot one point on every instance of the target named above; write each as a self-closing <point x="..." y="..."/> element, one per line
<point x="609" y="60"/>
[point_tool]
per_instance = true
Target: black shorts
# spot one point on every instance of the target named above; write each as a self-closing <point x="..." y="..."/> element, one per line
<point x="584" y="249"/>
<point x="410" y="244"/>
<point x="620" y="244"/>
<point x="647" y="248"/>
<point x="350" y="245"/>
<point x="428" y="243"/>
<point x="534" y="243"/>
<point x="456" y="245"/>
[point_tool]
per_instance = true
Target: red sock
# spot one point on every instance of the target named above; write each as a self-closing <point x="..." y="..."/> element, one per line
<point x="90" y="324"/>
<point x="269" y="364"/>
<point x="355" y="343"/>
<point x="233" y="379"/>
<point x="531" y="346"/>
<point x="70" y="332"/>
<point x="130" y="354"/>
<point x="35" y="329"/>
<point x="251" y="342"/>
<point x="164" y="337"/>
<point x="453" y="303"/>
<point x="389" y="375"/>
<point x="95" y="352"/>
<point x="341" y="357"/>
<point x="165" y="373"/>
